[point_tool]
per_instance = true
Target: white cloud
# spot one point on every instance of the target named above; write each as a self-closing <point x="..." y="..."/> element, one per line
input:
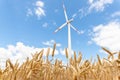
<point x="39" y="12"/>
<point x="45" y="25"/>
<point x="38" y="9"/>
<point x="54" y="23"/>
<point x="116" y="14"/>
<point x="99" y="5"/>
<point x="90" y="1"/>
<point x="20" y="52"/>
<point x="29" y="12"/>
<point x="107" y="35"/>
<point x="82" y="12"/>
<point x="51" y="43"/>
<point x="62" y="51"/>
<point x="39" y="4"/>
<point x="74" y="15"/>
<point x="82" y="32"/>
<point x="89" y="42"/>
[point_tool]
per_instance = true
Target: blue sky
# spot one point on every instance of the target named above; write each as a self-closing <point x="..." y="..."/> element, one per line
<point x="30" y="24"/>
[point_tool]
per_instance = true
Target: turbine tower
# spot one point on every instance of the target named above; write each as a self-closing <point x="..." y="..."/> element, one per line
<point x="68" y="21"/>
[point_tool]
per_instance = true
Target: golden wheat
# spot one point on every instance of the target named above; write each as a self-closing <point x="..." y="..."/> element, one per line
<point x="77" y="69"/>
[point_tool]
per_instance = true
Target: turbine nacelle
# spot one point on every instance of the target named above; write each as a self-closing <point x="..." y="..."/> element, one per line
<point x="69" y="21"/>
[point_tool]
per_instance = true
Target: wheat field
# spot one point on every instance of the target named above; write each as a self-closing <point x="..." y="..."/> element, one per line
<point x="39" y="68"/>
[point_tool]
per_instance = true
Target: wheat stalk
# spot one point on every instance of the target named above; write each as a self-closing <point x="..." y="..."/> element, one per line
<point x="53" y="52"/>
<point x="66" y="52"/>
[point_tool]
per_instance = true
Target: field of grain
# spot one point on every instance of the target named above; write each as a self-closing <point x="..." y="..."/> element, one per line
<point x="39" y="68"/>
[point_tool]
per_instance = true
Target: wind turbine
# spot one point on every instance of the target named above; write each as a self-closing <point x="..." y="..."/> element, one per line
<point x="68" y="21"/>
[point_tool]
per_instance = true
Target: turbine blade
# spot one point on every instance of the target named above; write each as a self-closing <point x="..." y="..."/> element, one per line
<point x="65" y="13"/>
<point x="60" y="27"/>
<point x="76" y="29"/>
<point x="69" y="21"/>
